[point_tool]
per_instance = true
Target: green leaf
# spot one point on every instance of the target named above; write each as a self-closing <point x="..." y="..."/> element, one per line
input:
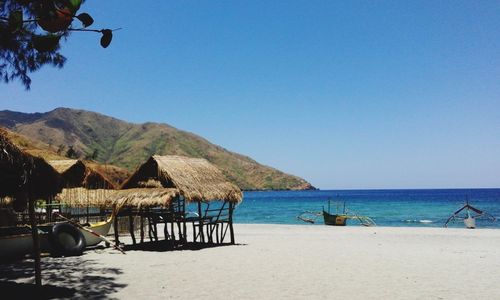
<point x="15" y="20"/>
<point x="86" y="19"/>
<point x="73" y="5"/>
<point x="46" y="43"/>
<point x="107" y="36"/>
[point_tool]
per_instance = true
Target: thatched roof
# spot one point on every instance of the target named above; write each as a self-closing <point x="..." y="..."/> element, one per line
<point x="21" y="173"/>
<point x="102" y="198"/>
<point x="195" y="178"/>
<point x="77" y="173"/>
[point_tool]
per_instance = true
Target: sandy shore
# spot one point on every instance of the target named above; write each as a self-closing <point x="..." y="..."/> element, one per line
<point x="279" y="261"/>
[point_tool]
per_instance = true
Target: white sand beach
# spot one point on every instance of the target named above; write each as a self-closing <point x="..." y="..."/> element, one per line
<point x="294" y="262"/>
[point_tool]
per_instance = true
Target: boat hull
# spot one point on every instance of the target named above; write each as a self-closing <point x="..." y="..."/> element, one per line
<point x="101" y="228"/>
<point x="19" y="242"/>
<point x="334" y="220"/>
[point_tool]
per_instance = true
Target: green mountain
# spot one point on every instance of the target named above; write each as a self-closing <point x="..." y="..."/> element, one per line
<point x="127" y="145"/>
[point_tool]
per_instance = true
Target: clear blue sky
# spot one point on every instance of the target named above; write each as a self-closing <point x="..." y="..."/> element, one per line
<point x="353" y="94"/>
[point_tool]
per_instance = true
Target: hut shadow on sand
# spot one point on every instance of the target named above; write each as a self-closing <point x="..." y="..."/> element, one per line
<point x="168" y="245"/>
<point x="70" y="277"/>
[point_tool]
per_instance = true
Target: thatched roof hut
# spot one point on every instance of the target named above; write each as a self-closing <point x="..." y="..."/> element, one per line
<point x="105" y="198"/>
<point x="77" y="173"/>
<point x="22" y="173"/>
<point x="195" y="178"/>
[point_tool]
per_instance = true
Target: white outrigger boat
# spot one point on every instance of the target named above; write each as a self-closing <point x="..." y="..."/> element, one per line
<point x="471" y="214"/>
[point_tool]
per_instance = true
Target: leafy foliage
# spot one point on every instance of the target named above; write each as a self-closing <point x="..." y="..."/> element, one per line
<point x="31" y="31"/>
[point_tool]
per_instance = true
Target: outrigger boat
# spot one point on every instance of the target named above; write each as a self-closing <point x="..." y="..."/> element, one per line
<point x="338" y="219"/>
<point x="17" y="240"/>
<point x="470" y="216"/>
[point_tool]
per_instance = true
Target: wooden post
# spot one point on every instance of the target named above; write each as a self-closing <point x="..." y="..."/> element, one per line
<point x="194" y="233"/>
<point x="183" y="218"/>
<point x="231" y="230"/>
<point x="202" y="235"/>
<point x="36" y="242"/>
<point x="165" y="227"/>
<point x="142" y="225"/>
<point x="184" y="227"/>
<point x="131" y="226"/>
<point x="172" y="232"/>
<point x="49" y="209"/>
<point x="115" y="229"/>
<point x="148" y="217"/>
<point x="155" y="227"/>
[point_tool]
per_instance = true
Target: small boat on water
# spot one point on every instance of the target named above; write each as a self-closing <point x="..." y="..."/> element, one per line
<point x="469" y="214"/>
<point x="337" y="219"/>
<point x="17" y="240"/>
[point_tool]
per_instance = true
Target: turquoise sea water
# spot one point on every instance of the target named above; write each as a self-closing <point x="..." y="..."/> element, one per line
<point x="423" y="208"/>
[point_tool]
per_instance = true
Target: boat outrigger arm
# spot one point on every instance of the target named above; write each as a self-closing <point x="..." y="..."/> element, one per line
<point x="468" y="207"/>
<point x="309" y="216"/>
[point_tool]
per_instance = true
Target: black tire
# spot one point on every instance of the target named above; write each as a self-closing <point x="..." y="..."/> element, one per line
<point x="59" y="247"/>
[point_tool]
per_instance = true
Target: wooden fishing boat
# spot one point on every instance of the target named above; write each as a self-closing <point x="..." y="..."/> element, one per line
<point x="337" y="219"/>
<point x="17" y="240"/>
<point x="469" y="214"/>
<point x="101" y="228"/>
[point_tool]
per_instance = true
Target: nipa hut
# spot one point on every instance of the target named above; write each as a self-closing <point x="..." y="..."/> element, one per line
<point x="23" y="175"/>
<point x="77" y="173"/>
<point x="26" y="178"/>
<point x="131" y="198"/>
<point x="198" y="182"/>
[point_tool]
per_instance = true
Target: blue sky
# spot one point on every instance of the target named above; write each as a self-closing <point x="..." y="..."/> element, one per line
<point x="354" y="94"/>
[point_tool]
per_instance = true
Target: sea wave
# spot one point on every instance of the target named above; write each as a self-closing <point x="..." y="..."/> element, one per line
<point x="418" y="221"/>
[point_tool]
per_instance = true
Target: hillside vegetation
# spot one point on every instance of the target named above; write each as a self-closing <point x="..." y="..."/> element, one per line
<point x="127" y="145"/>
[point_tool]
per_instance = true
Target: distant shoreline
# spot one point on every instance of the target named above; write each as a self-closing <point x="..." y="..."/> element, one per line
<point x="374" y="189"/>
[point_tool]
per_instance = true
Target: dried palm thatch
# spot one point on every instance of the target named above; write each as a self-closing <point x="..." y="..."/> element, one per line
<point x="77" y="173"/>
<point x="105" y="198"/>
<point x="117" y="175"/>
<point x="195" y="178"/>
<point x="24" y="174"/>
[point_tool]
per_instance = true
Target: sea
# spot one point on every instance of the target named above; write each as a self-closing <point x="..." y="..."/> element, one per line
<point x="397" y="208"/>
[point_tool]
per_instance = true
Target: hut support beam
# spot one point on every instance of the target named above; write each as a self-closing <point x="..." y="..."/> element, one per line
<point x="184" y="227"/>
<point x="131" y="226"/>
<point x="231" y="230"/>
<point x="142" y="225"/>
<point x="36" y="242"/>
<point x="115" y="229"/>
<point x="202" y="236"/>
<point x="165" y="228"/>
